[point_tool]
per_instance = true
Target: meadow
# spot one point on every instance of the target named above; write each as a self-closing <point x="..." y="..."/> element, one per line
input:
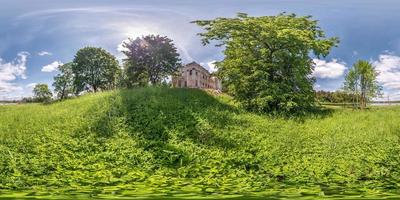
<point x="180" y="143"/>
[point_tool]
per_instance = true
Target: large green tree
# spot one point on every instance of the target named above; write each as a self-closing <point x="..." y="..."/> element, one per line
<point x="149" y="59"/>
<point x="95" y="69"/>
<point x="361" y="81"/>
<point x="42" y="93"/>
<point x="64" y="81"/>
<point x="268" y="60"/>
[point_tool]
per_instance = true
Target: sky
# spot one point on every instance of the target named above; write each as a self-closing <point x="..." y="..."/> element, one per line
<point x="36" y="36"/>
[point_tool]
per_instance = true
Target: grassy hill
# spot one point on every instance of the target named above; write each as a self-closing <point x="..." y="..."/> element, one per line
<point x="187" y="142"/>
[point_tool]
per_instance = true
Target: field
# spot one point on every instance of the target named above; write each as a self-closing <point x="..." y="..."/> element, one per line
<point x="190" y="143"/>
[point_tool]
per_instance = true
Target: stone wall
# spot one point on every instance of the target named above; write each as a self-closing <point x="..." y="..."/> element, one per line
<point x="194" y="75"/>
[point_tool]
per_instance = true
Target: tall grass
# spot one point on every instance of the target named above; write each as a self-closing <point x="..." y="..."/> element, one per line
<point x="159" y="140"/>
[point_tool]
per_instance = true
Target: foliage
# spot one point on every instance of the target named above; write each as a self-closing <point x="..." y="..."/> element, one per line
<point x="94" y="69"/>
<point x="267" y="65"/>
<point x="150" y="59"/>
<point x="42" y="93"/>
<point x="362" y="82"/>
<point x="28" y="100"/>
<point x="338" y="96"/>
<point x="64" y="81"/>
<point x="153" y="141"/>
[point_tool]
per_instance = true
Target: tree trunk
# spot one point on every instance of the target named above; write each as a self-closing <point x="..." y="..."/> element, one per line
<point x="62" y="94"/>
<point x="356" y="93"/>
<point x="363" y="99"/>
<point x="362" y="95"/>
<point x="63" y="91"/>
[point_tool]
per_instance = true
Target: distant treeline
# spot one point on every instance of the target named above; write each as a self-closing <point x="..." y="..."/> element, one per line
<point x="12" y="101"/>
<point x="334" y="97"/>
<point x="385" y="102"/>
<point x="23" y="100"/>
<point x="340" y="97"/>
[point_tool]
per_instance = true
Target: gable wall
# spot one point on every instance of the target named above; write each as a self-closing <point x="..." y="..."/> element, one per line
<point x="195" y="76"/>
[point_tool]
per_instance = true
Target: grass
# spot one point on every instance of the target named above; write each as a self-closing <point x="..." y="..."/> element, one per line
<point x="178" y="142"/>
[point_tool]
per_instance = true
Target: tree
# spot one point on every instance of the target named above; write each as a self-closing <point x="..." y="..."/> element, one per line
<point x="94" y="69"/>
<point x="268" y="65"/>
<point x="150" y="59"/>
<point x="351" y="86"/>
<point x="362" y="82"/>
<point x="42" y="93"/>
<point x="64" y="81"/>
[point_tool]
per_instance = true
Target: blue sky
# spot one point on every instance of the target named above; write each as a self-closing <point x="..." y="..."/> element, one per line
<point x="37" y="35"/>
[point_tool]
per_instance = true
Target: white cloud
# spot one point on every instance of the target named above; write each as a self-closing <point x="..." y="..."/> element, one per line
<point x="9" y="71"/>
<point x="210" y="66"/>
<point x="31" y="85"/>
<point x="51" y="67"/>
<point x="388" y="67"/>
<point x="44" y="53"/>
<point x="328" y="70"/>
<point x="120" y="47"/>
<point x="317" y="87"/>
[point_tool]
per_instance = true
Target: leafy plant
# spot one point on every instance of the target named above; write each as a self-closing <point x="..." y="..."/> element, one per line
<point x="362" y="82"/>
<point x="149" y="59"/>
<point x="155" y="142"/>
<point x="94" y="69"/>
<point x="268" y="60"/>
<point x="64" y="81"/>
<point x="42" y="93"/>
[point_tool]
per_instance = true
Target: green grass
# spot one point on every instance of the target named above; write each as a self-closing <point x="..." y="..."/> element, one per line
<point x="180" y="142"/>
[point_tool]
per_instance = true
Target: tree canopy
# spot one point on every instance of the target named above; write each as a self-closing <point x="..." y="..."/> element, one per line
<point x="150" y="59"/>
<point x="95" y="69"/>
<point x="42" y="93"/>
<point x="64" y="81"/>
<point x="361" y="81"/>
<point x="268" y="64"/>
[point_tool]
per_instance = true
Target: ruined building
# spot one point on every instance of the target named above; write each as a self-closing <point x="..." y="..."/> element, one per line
<point x="193" y="75"/>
